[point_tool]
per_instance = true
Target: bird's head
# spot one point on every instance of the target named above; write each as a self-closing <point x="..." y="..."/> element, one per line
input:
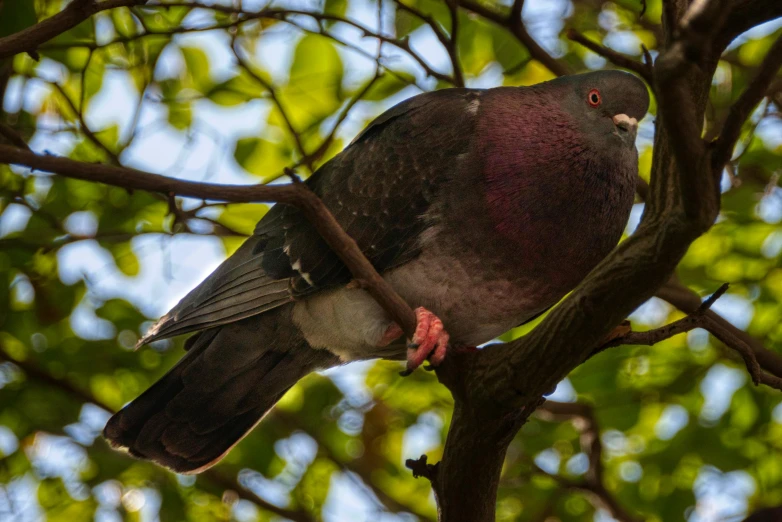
<point x="606" y="104"/>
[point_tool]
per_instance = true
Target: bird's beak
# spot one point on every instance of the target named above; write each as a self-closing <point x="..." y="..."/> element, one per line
<point x="626" y="127"/>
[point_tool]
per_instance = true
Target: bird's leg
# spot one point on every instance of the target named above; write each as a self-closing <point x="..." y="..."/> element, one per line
<point x="429" y="341"/>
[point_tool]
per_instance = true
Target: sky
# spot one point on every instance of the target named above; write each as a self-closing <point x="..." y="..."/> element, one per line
<point x="172" y="265"/>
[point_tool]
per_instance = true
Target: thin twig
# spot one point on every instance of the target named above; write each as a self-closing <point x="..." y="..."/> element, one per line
<point x="284" y="14"/>
<point x="694" y="320"/>
<point x="448" y="42"/>
<point x="742" y="109"/>
<point x="583" y="418"/>
<point x="688" y="301"/>
<point x="701" y="319"/>
<point x="327" y="141"/>
<point x="747" y="354"/>
<point x="359" y="466"/>
<point x="10" y="134"/>
<point x="110" y="154"/>
<point x="644" y="70"/>
<point x="296" y="194"/>
<point x="33" y="371"/>
<point x="516" y="27"/>
<point x="28" y="40"/>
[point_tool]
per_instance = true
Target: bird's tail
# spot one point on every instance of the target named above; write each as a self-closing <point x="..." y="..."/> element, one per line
<point x="189" y="419"/>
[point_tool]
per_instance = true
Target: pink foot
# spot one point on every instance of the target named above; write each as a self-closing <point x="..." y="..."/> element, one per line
<point x="430" y="341"/>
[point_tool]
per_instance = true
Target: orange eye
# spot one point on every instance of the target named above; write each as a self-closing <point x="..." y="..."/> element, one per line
<point x="594" y="98"/>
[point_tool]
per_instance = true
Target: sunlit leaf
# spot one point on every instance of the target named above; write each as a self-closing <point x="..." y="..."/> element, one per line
<point x="261" y="157"/>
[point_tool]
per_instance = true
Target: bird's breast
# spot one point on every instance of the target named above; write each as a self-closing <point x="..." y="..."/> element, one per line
<point x="476" y="302"/>
<point x="554" y="200"/>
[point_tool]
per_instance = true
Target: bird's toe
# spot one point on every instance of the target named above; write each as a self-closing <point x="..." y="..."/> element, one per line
<point x="430" y="341"/>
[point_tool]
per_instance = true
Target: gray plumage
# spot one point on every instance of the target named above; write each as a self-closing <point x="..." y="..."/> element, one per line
<point x="484" y="206"/>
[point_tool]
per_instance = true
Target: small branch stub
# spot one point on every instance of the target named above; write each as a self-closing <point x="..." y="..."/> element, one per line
<point x="420" y="468"/>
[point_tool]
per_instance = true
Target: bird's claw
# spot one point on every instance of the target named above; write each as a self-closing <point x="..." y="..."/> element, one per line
<point x="430" y="341"/>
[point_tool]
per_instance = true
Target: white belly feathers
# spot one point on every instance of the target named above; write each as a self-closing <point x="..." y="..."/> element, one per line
<point x="350" y="323"/>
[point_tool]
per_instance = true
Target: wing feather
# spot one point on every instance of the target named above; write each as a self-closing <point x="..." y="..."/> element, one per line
<point x="379" y="189"/>
<point x="239" y="288"/>
<point x="231" y="314"/>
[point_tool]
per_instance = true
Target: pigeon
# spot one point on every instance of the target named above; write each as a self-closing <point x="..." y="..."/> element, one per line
<point x="481" y="207"/>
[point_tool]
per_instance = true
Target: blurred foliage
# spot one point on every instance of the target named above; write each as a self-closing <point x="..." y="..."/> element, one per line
<point x="684" y="433"/>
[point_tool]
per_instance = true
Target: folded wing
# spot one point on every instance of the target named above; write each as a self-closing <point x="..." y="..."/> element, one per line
<point x="379" y="189"/>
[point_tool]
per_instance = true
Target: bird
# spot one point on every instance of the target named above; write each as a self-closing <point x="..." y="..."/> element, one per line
<point x="482" y="208"/>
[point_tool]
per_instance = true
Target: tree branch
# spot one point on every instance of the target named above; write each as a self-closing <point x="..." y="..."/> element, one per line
<point x="242" y="63"/>
<point x="584" y="420"/>
<point x="28" y="40"/>
<point x="79" y="115"/>
<point x="642" y="69"/>
<point x="296" y="194"/>
<point x="700" y="318"/>
<point x="688" y="301"/>
<point x="737" y="343"/>
<point x="284" y="15"/>
<point x="515" y="25"/>
<point x="683" y="76"/>
<point x="495" y="389"/>
<point x="696" y="319"/>
<point x="448" y="42"/>
<point x="742" y="109"/>
<point x="10" y="134"/>
<point x="745" y="14"/>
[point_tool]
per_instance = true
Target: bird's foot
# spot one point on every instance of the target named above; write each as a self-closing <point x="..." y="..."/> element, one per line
<point x="429" y="342"/>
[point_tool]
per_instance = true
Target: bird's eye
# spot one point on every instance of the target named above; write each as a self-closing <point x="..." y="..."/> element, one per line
<point x="594" y="98"/>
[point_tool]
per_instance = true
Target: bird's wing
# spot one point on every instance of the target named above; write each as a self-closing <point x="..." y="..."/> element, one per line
<point x="378" y="189"/>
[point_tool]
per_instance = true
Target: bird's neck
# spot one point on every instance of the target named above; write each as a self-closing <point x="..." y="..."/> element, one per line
<point x="547" y="192"/>
<point x="533" y="161"/>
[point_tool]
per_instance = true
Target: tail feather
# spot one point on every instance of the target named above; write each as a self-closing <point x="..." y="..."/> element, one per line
<point x="226" y="382"/>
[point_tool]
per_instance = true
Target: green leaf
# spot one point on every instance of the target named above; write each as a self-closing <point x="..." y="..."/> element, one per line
<point x="234" y="91"/>
<point x="475" y="47"/>
<point x="262" y="157"/>
<point x="121" y="313"/>
<point x="314" y="90"/>
<point x="335" y="7"/>
<point x="388" y="85"/>
<point x="161" y="20"/>
<point x="405" y="23"/>
<point x="124" y="23"/>
<point x="197" y="67"/>
<point x="125" y="258"/>
<point x="16" y="15"/>
<point x="242" y="217"/>
<point x="180" y="115"/>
